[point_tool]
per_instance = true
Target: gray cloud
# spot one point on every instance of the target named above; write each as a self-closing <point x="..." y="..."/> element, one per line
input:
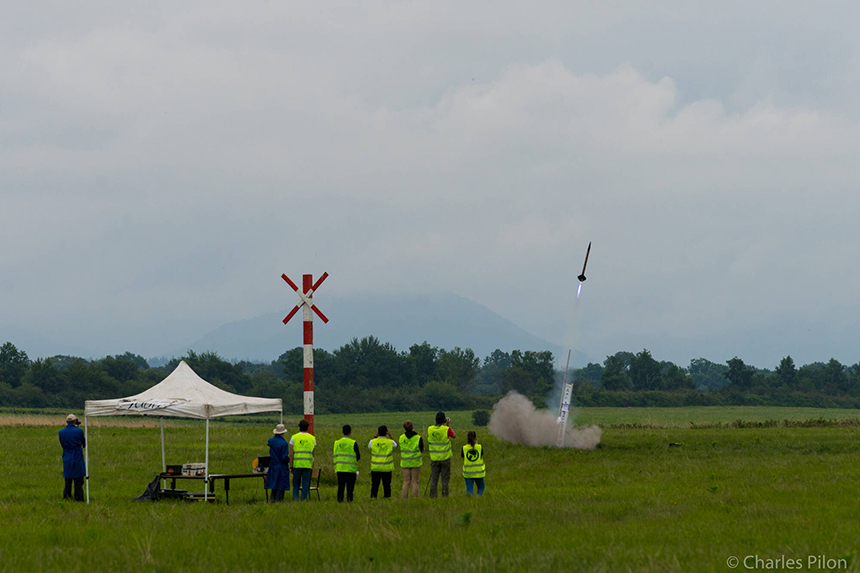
<point x="160" y="168"/>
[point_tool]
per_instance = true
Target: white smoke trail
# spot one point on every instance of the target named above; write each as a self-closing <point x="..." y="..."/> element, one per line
<point x="515" y="419"/>
<point x="554" y="399"/>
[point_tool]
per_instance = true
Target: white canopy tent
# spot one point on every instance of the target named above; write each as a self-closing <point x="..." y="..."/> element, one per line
<point x="183" y="394"/>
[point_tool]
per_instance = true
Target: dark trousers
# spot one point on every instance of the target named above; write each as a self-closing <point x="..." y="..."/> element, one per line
<point x="277" y="495"/>
<point x="375" y="478"/>
<point x="79" y="489"/>
<point x="345" y="480"/>
<point x="440" y="468"/>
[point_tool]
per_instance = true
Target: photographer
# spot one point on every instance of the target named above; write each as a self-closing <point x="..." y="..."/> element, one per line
<point x="439" y="438"/>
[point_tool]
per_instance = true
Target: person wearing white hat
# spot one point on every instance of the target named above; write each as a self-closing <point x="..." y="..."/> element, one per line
<point x="74" y="470"/>
<point x="278" y="476"/>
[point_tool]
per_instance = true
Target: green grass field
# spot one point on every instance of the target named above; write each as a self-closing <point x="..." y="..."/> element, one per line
<point x="707" y="415"/>
<point x="633" y="504"/>
<point x="604" y="417"/>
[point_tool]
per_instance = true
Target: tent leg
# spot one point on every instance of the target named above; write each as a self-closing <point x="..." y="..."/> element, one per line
<point x="163" y="459"/>
<point x="87" y="459"/>
<point x="206" y="479"/>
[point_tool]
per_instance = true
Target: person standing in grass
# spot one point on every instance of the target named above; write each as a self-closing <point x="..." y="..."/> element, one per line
<point x="474" y="469"/>
<point x="411" y="458"/>
<point x="381" y="461"/>
<point x="302" y="447"/>
<point x="278" y="476"/>
<point x="73" y="441"/>
<point x="346" y="457"/>
<point x="439" y="439"/>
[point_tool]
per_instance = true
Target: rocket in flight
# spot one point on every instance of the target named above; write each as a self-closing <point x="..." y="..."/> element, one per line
<point x="582" y="276"/>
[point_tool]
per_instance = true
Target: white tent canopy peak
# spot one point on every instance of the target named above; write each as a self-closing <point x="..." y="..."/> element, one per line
<point x="183" y="394"/>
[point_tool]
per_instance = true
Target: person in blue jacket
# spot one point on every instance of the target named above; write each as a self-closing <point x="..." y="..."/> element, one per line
<point x="278" y="476"/>
<point x="74" y="470"/>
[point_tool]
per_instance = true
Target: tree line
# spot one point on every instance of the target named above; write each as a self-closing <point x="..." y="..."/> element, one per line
<point x="628" y="379"/>
<point x="369" y="375"/>
<point x="363" y="375"/>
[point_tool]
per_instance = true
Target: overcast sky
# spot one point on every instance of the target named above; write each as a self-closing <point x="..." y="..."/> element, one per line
<point x="161" y="164"/>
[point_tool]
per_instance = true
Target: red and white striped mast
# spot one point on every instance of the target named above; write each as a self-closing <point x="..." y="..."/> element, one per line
<point x="308" y="308"/>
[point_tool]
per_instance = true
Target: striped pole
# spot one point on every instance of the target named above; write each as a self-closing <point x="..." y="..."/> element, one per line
<point x="306" y="294"/>
<point x="308" y="347"/>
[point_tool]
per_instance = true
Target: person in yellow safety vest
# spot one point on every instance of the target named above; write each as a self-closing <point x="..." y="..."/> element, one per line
<point x="302" y="447"/>
<point x="474" y="469"/>
<point x="346" y="457"/>
<point x="411" y="451"/>
<point x="381" y="461"/>
<point x="439" y="439"/>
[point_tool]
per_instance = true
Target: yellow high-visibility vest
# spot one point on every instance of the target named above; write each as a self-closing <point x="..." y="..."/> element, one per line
<point x="473" y="461"/>
<point x="303" y="450"/>
<point x="410" y="455"/>
<point x="381" y="454"/>
<point x="438" y="443"/>
<point x="344" y="456"/>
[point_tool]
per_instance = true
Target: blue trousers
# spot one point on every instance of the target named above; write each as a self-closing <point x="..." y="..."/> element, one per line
<point x="478" y="481"/>
<point x="301" y="479"/>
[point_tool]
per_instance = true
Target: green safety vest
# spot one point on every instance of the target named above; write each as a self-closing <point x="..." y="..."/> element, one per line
<point x="410" y="455"/>
<point x="440" y="445"/>
<point x="381" y="455"/>
<point x="344" y="456"/>
<point x="473" y="461"/>
<point x="303" y="450"/>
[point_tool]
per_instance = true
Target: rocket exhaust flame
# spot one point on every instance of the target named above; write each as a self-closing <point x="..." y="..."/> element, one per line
<point x="578" y="290"/>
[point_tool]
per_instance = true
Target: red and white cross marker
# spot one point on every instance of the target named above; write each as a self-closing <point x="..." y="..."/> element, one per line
<point x="307" y="305"/>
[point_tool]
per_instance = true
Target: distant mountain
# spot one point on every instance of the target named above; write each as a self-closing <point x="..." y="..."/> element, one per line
<point x="444" y="320"/>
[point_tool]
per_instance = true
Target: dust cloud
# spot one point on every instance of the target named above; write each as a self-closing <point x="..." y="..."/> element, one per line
<point x="515" y="419"/>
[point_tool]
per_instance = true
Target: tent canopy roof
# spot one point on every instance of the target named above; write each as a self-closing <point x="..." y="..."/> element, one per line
<point x="183" y="394"/>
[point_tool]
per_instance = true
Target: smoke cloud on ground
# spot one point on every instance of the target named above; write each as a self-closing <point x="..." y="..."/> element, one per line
<point x="515" y="419"/>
